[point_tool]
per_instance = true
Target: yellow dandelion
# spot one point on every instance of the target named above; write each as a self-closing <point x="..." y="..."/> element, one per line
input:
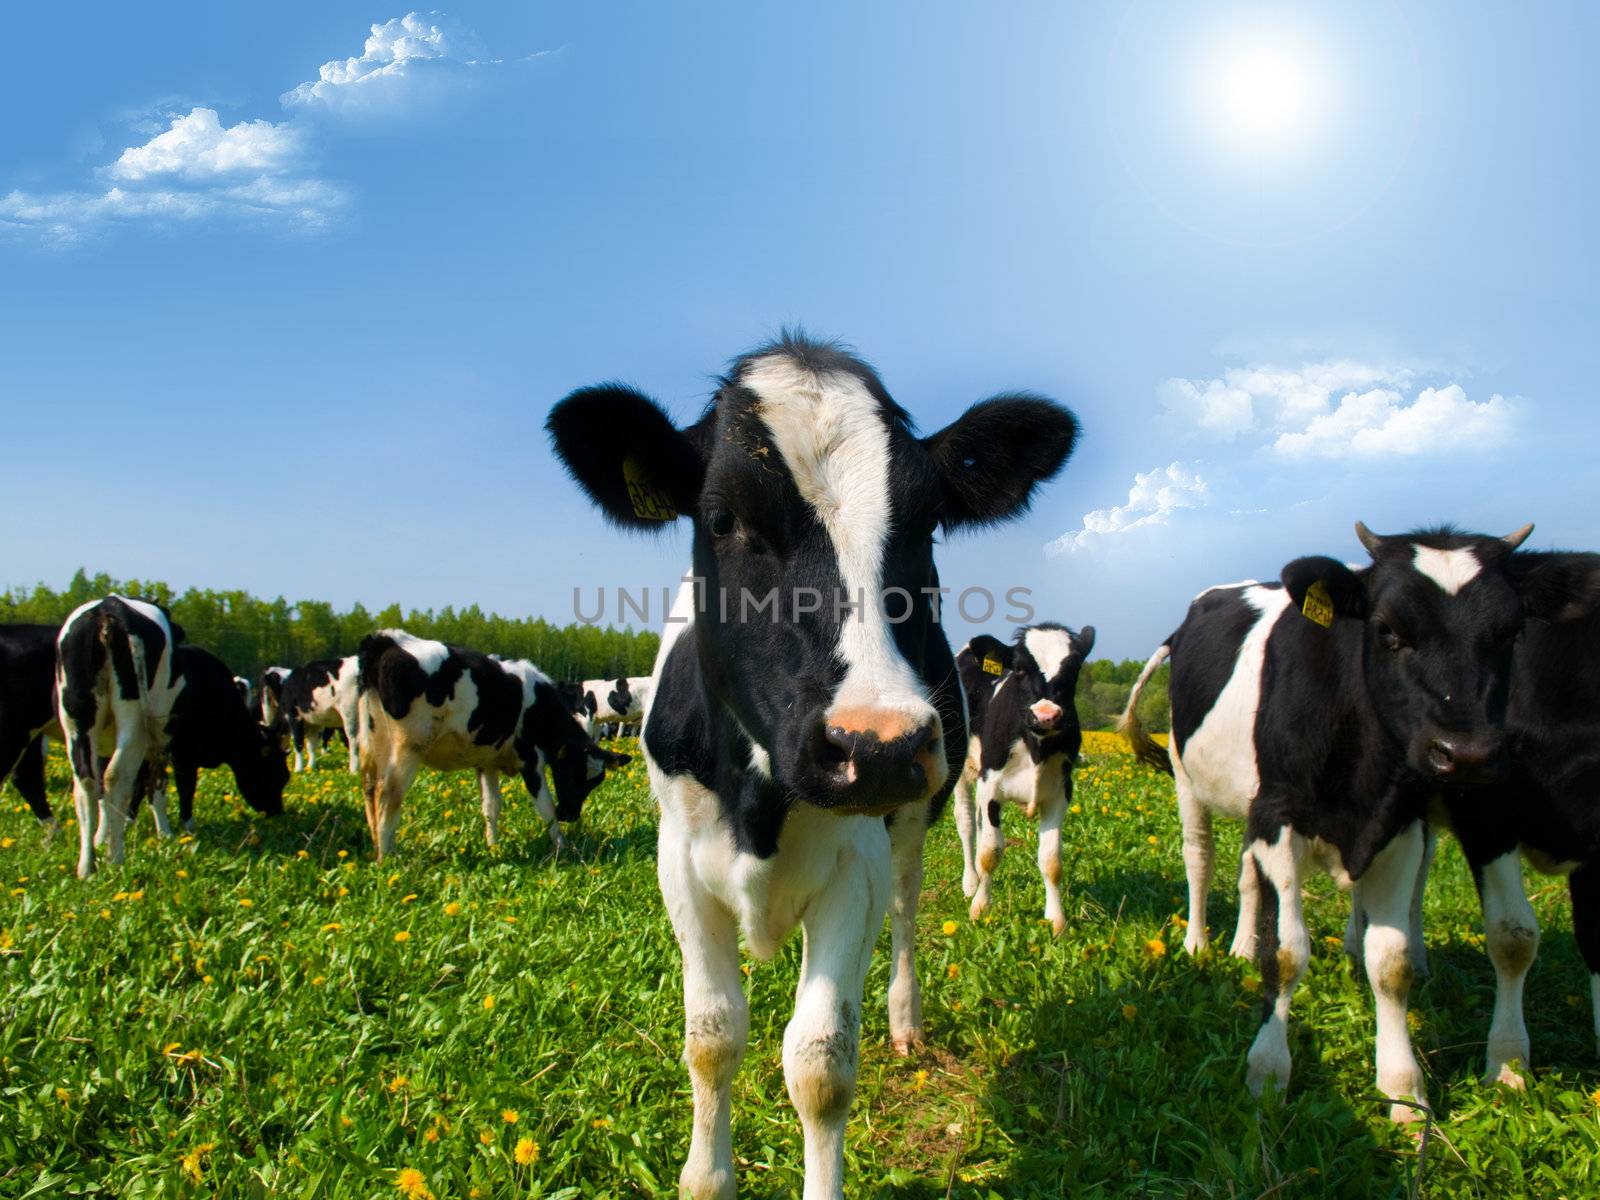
<point x="397" y="1083"/>
<point x="246" y="902"/>
<point x="949" y="928"/>
<point x="302" y="854"/>
<point x="1129" y="1011"/>
<point x="953" y="970"/>
<point x="920" y="1079"/>
<point x="488" y="1003"/>
<point x="600" y="1123"/>
<point x="1153" y="840"/>
<point x="403" y="935"/>
<point x="1595" y="1096"/>
<point x="181" y="873"/>
<point x="1076" y="809"/>
<point x="105" y="914"/>
<point x="344" y="854"/>
<point x="510" y="1116"/>
<point x="1250" y="983"/>
<point x="453" y="908"/>
<point x="1156" y="948"/>
<point x="527" y="1152"/>
<point x="318" y="981"/>
<point x="412" y="1184"/>
<point x="191" y="1160"/>
<point x="63" y="1095"/>
<point x="486" y="1136"/>
<point x="332" y="927"/>
<point x="7" y="843"/>
<point x="394" y="879"/>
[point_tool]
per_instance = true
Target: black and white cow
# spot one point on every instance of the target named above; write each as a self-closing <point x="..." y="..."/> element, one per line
<point x="615" y="703"/>
<point x="316" y="699"/>
<point x="1022" y="745"/>
<point x="247" y="693"/>
<point x="1547" y="809"/>
<point x="422" y="701"/>
<point x="1328" y="711"/>
<point x="119" y="678"/>
<point x="27" y="711"/>
<point x="798" y="752"/>
<point x="269" y="693"/>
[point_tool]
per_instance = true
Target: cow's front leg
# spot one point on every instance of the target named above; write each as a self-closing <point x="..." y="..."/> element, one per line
<point x="716" y="1016"/>
<point x="821" y="1045"/>
<point x="391" y="792"/>
<point x="1199" y="861"/>
<point x="991" y="839"/>
<point x="1283" y="947"/>
<point x="907" y="836"/>
<point x="1386" y="891"/>
<point x="967" y="828"/>
<point x="489" y="788"/>
<point x="1052" y="809"/>
<point x="1512" y="933"/>
<point x="1584" y="887"/>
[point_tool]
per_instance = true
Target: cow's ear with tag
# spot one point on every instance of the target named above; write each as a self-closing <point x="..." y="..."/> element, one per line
<point x="640" y="470"/>
<point x="1323" y="588"/>
<point x="993" y="456"/>
<point x="991" y="657"/>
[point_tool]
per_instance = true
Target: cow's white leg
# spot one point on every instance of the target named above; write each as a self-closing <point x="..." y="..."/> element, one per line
<point x="122" y="776"/>
<point x="1283" y="949"/>
<point x="1199" y="859"/>
<point x="1052" y="806"/>
<point x="489" y="787"/>
<point x="1419" y="948"/>
<point x="313" y="736"/>
<point x="906" y="838"/>
<point x="352" y="735"/>
<point x="967" y="829"/>
<point x="393" y="784"/>
<point x="1386" y="890"/>
<point x="1244" y="933"/>
<point x="716" y="1016"/>
<point x="1512" y="932"/>
<point x="991" y="839"/>
<point x="821" y="1045"/>
<point x="158" y="803"/>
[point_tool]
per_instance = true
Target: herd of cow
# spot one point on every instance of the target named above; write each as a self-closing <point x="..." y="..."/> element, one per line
<point x="1343" y="714"/>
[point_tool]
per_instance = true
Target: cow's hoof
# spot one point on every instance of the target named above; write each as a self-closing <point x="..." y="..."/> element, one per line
<point x="707" y="1185"/>
<point x="1058" y="925"/>
<point x="1244" y="948"/>
<point x="1195" y="944"/>
<point x="1403" y="1113"/>
<point x="1269" y="1065"/>
<point x="969" y="884"/>
<point x="911" y="1044"/>
<point x="1507" y="1075"/>
<point x="980" y="905"/>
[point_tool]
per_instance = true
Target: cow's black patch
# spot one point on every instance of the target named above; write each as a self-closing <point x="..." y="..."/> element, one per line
<point x="27" y="679"/>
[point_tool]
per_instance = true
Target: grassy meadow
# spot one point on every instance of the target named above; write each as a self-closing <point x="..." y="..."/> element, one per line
<point x="261" y="1010"/>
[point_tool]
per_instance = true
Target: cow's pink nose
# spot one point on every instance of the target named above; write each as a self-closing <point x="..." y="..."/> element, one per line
<point x="1046" y="712"/>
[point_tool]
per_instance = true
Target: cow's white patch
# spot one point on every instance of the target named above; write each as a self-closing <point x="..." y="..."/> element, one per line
<point x="1452" y="570"/>
<point x="831" y="434"/>
<point x="1050" y="648"/>
<point x="428" y="653"/>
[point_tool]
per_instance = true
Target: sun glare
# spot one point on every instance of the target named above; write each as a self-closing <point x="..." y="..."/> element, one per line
<point x="1261" y="93"/>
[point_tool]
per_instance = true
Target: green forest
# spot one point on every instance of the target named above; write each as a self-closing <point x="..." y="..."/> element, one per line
<point x="250" y="634"/>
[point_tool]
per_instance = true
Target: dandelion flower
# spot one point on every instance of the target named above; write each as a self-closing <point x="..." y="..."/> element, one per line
<point x="408" y="899"/>
<point x="488" y="1003"/>
<point x="412" y="1184"/>
<point x="510" y="1116"/>
<point x="246" y="902"/>
<point x="452" y="909"/>
<point x="953" y="970"/>
<point x="403" y="935"/>
<point x="486" y="1136"/>
<point x="1156" y="948"/>
<point x="1153" y="840"/>
<point x="191" y="1160"/>
<point x="1129" y="1011"/>
<point x="527" y="1152"/>
<point x="949" y="928"/>
<point x="920" y="1079"/>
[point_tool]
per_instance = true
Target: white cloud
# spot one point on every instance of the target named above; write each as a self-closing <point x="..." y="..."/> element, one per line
<point x="1269" y="399"/>
<point x="1379" y="423"/>
<point x="404" y="61"/>
<point x="1152" y="500"/>
<point x="198" y="147"/>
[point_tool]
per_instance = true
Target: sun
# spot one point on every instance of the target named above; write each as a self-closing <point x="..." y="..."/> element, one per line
<point x="1261" y="92"/>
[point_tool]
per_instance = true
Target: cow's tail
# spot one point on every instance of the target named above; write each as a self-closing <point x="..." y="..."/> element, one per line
<point x="1144" y="748"/>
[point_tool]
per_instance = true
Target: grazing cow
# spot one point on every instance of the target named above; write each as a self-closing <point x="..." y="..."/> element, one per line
<point x="805" y="724"/>
<point x="320" y="697"/>
<point x="615" y="702"/>
<point x="1547" y="809"/>
<point x="1328" y="711"/>
<point x="269" y="690"/>
<point x="212" y="726"/>
<point x="27" y="711"/>
<point x="1022" y="746"/>
<point x="422" y="701"/>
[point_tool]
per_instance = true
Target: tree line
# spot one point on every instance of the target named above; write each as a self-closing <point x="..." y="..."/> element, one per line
<point x="250" y="634"/>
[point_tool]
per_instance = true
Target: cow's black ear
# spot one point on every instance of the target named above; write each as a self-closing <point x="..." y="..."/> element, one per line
<point x="1083" y="641"/>
<point x="993" y="456"/>
<point x="1323" y="588"/>
<point x="1556" y="586"/>
<point x="624" y="451"/>
<point x="991" y="655"/>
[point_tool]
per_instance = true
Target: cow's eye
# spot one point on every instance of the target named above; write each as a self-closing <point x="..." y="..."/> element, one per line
<point x="721" y="523"/>
<point x="1389" y="638"/>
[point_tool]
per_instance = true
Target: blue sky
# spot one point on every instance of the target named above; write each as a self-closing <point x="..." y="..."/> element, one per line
<point x="271" y="324"/>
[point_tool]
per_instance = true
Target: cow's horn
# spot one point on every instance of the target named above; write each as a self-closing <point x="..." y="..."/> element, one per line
<point x="1516" y="539"/>
<point x="1368" y="539"/>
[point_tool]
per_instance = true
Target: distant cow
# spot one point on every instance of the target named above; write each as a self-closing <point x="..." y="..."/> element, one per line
<point x="27" y="711"/>
<point x="247" y="693"/>
<point x="616" y="702"/>
<point x="1328" y="711"/>
<point x="422" y="701"/>
<point x="269" y="693"/>
<point x="1022" y="744"/>
<point x="317" y="698"/>
<point x="799" y="752"/>
<point x="119" y="679"/>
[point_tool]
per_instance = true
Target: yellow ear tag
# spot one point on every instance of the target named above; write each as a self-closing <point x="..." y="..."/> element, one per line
<point x="992" y="666"/>
<point x="1318" y="605"/>
<point x="649" y="502"/>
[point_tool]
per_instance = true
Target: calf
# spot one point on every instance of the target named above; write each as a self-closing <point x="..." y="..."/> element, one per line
<point x="320" y="697"/>
<point x="27" y="711"/>
<point x="1023" y="744"/>
<point x="1328" y="711"/>
<point x="798" y="752"/>
<point x="422" y="701"/>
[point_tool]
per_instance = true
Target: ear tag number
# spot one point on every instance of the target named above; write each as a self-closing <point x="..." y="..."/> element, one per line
<point x="649" y="502"/>
<point x="1318" y="605"/>
<point x="992" y="665"/>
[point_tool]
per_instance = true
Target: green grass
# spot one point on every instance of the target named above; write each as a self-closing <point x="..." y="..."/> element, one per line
<point x="234" y="1015"/>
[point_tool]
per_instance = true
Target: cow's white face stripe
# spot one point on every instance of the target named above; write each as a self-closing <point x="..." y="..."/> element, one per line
<point x="1049" y="647"/>
<point x="1452" y="570"/>
<point x="830" y="431"/>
